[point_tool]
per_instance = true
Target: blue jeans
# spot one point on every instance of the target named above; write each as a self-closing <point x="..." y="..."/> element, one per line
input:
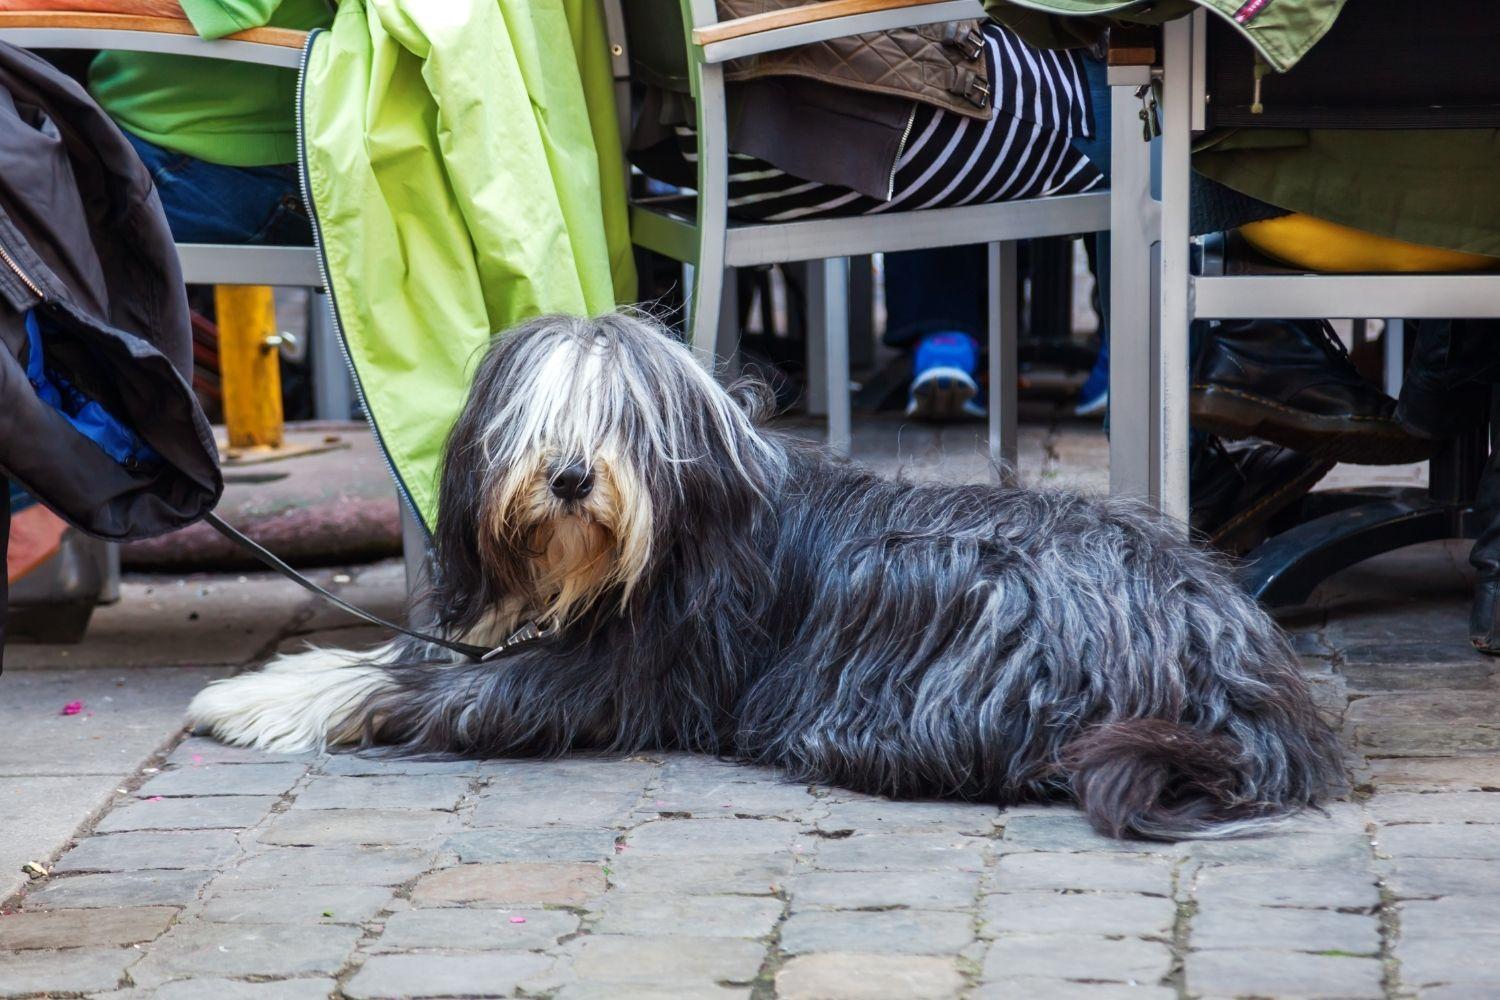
<point x="933" y="291"/>
<point x="211" y="203"/>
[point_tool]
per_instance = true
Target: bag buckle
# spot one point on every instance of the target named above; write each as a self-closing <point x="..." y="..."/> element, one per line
<point x="978" y="92"/>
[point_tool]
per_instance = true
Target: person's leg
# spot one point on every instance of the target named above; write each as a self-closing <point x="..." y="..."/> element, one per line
<point x="211" y="203"/>
<point x="1291" y="382"/>
<point x="936" y="307"/>
<point x="1093" y="395"/>
<point x="1448" y="377"/>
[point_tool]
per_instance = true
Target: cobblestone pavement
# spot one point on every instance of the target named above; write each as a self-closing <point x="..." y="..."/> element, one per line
<point x="228" y="874"/>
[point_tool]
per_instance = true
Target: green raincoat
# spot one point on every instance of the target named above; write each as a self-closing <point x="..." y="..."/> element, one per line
<point x="1434" y="187"/>
<point x="463" y="165"/>
<point x="1281" y="30"/>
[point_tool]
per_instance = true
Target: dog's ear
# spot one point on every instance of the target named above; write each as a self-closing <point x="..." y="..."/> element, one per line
<point x="752" y="394"/>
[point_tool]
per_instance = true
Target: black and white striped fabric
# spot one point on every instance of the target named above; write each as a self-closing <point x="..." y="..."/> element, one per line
<point x="1024" y="151"/>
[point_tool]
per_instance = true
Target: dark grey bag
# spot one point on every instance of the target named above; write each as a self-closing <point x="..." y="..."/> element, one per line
<point x="97" y="415"/>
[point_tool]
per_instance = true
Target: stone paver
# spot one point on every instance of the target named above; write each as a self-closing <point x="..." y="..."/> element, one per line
<point x="1079" y="913"/>
<point x="554" y="844"/>
<point x="1077" y="957"/>
<point x="230" y="989"/>
<point x="1234" y="888"/>
<point x="1438" y="961"/>
<point x="1454" y="807"/>
<point x="1286" y="930"/>
<point x="694" y="916"/>
<point x="502" y="806"/>
<point x="916" y="932"/>
<point x="1441" y="840"/>
<point x="748" y="875"/>
<point x="81" y="928"/>
<point x="396" y="791"/>
<point x="437" y="975"/>
<point x="224" y="779"/>
<point x="872" y="890"/>
<point x="868" y="977"/>
<point x="81" y="970"/>
<point x="207" y="871"/>
<point x="501" y="930"/>
<point x="199" y="949"/>
<point x="1062" y="829"/>
<point x="1428" y="878"/>
<point x="608" y="958"/>
<point x="123" y="852"/>
<point x="1247" y="973"/>
<point x="1033" y="988"/>
<point x="297" y="905"/>
<point x="138" y="888"/>
<point x="711" y="838"/>
<point x="518" y="883"/>
<point x="331" y="827"/>
<point x="206" y="812"/>
<point x="346" y="865"/>
<point x="895" y="853"/>
<point x="1102" y="872"/>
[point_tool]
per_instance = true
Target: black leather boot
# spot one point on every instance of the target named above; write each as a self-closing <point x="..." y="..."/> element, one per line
<point x="1236" y="492"/>
<point x="1484" y="616"/>
<point x="1447" y="386"/>
<point x="1291" y="382"/>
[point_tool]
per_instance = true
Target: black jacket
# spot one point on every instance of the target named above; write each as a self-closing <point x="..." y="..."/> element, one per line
<point x="97" y="415"/>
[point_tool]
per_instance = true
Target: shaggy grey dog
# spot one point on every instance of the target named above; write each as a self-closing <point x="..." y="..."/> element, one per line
<point x="709" y="585"/>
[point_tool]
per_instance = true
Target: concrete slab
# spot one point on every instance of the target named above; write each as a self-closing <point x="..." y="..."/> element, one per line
<point x="59" y="771"/>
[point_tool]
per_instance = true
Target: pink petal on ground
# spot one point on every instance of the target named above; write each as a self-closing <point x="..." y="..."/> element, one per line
<point x="72" y="708"/>
<point x="197" y="758"/>
<point x="154" y="798"/>
<point x="518" y="920"/>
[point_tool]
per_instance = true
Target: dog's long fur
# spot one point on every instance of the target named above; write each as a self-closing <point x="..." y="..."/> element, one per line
<point x="727" y="590"/>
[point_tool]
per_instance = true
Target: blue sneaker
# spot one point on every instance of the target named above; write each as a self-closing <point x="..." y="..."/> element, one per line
<point x="943" y="385"/>
<point x="1093" y="395"/>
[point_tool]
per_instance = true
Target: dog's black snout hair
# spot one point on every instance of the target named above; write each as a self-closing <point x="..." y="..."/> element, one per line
<point x="572" y="481"/>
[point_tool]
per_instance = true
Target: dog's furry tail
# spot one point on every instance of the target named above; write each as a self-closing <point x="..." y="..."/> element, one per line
<point x="1155" y="779"/>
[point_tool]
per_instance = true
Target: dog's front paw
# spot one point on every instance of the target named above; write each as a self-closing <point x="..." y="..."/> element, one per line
<point x="297" y="703"/>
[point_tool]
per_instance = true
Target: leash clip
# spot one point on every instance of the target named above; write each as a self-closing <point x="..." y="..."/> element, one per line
<point x="530" y="632"/>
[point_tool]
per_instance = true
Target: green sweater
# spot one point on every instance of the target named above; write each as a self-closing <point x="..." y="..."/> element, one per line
<point x="234" y="113"/>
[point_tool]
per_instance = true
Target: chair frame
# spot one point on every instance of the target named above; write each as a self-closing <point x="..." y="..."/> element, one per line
<point x="1154" y="394"/>
<point x="714" y="245"/>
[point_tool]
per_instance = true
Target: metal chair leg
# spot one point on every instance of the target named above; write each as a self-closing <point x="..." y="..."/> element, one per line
<point x="836" y="353"/>
<point x="1134" y="231"/>
<point x="1004" y="332"/>
<point x="1170" y="354"/>
<point x="333" y="388"/>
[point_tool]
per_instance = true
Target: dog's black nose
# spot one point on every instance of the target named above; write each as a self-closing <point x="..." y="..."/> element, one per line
<point x="572" y="482"/>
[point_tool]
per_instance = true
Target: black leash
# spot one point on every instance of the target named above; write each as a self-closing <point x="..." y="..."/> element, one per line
<point x="530" y="632"/>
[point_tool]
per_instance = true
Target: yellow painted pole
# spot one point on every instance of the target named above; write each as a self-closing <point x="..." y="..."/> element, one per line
<point x="249" y="365"/>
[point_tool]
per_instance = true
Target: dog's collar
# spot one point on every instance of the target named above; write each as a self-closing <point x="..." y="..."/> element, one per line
<point x="528" y="633"/>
